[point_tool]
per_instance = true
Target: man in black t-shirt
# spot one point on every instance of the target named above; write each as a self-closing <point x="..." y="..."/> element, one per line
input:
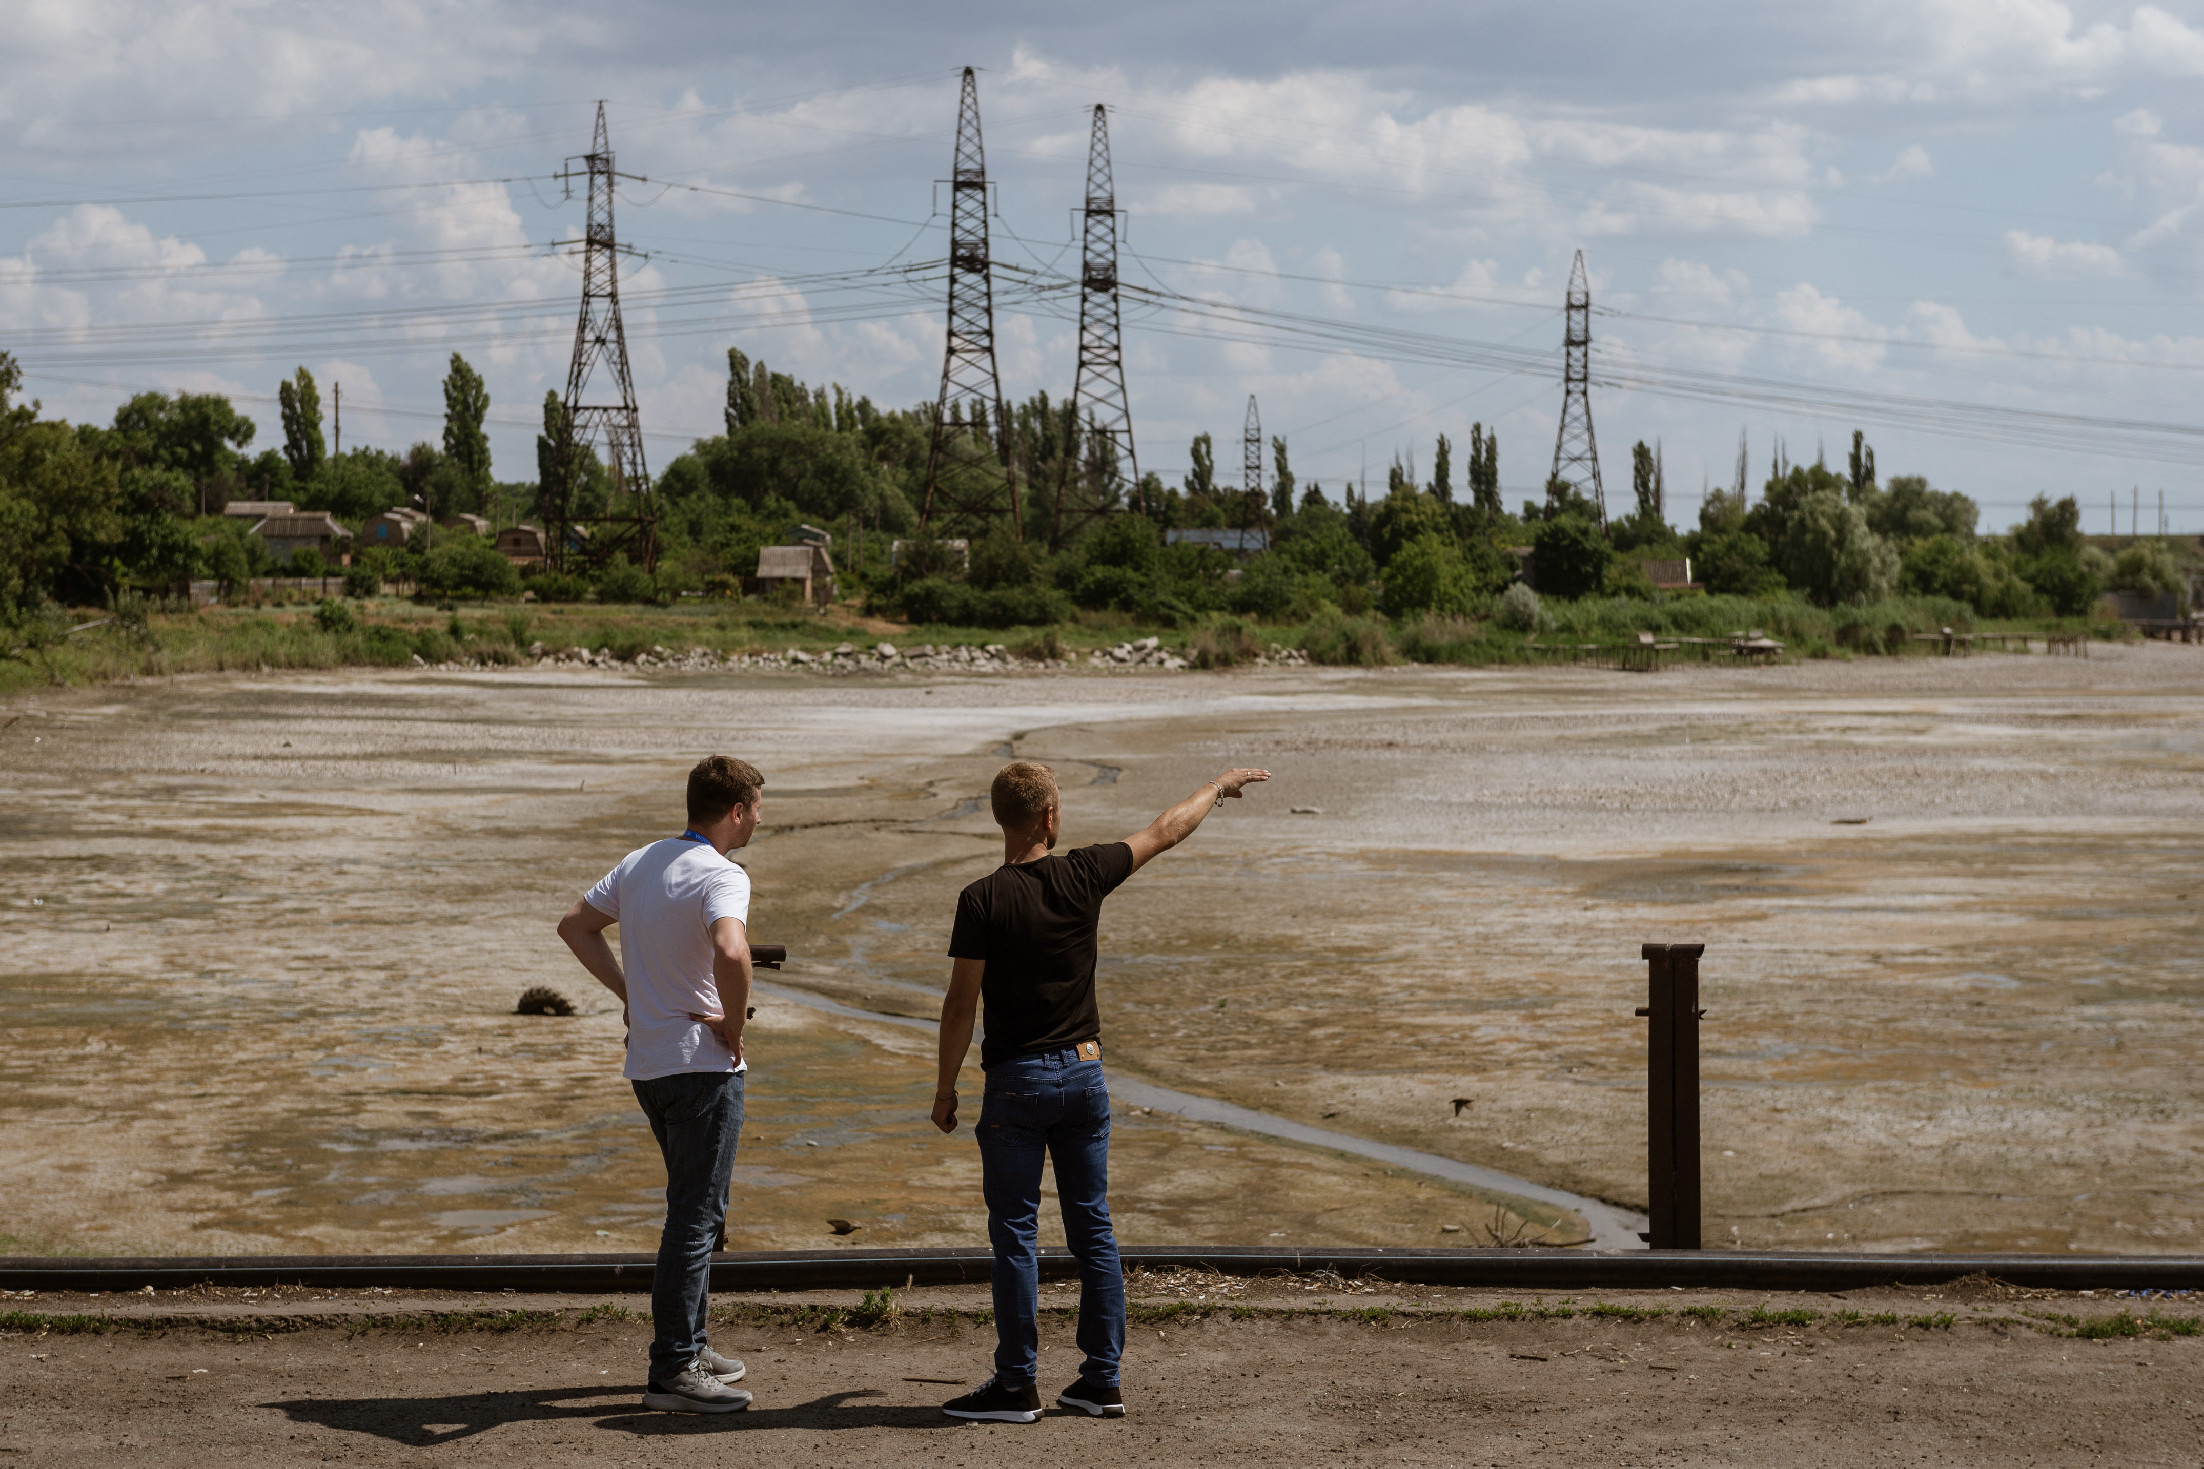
<point x="1025" y="942"/>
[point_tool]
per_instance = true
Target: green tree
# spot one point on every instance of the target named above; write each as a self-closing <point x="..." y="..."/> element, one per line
<point x="1735" y="563"/>
<point x="62" y="523"/>
<point x="2146" y="566"/>
<point x="1442" y="471"/>
<point x="742" y="393"/>
<point x="1401" y="517"/>
<point x="1201" y="482"/>
<point x="1830" y="553"/>
<point x="198" y="433"/>
<point x="303" y="447"/>
<point x="1569" y="557"/>
<point x="1484" y="470"/>
<point x="1427" y="575"/>
<point x="1909" y="509"/>
<point x="466" y="404"/>
<point x="1863" y="467"/>
<point x="1282" y="482"/>
<point x="1642" y="480"/>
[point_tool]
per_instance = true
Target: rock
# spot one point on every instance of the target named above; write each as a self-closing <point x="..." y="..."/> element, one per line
<point x="419" y="661"/>
<point x="843" y="650"/>
<point x="884" y="650"/>
<point x="536" y="649"/>
<point x="798" y="655"/>
<point x="1149" y="645"/>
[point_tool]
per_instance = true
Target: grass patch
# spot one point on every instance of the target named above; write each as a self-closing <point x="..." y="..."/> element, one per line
<point x="1627" y="1313"/>
<point x="2106" y="1328"/>
<point x="1934" y="1321"/>
<point x="1708" y="1314"/>
<point x="2174" y="1325"/>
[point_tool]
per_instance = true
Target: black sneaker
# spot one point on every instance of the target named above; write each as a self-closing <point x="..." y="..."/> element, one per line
<point x="996" y="1403"/>
<point x="1093" y="1398"/>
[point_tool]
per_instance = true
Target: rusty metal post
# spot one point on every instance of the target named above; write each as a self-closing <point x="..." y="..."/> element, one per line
<point x="1672" y="1097"/>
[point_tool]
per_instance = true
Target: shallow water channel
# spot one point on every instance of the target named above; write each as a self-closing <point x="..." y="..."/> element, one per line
<point x="265" y="936"/>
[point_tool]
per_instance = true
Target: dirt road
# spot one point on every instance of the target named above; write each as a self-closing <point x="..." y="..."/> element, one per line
<point x="1279" y="1373"/>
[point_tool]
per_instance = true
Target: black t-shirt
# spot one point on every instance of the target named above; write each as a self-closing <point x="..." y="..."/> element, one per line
<point x="1033" y="923"/>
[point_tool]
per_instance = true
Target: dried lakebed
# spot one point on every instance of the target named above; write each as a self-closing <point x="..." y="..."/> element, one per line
<point x="265" y="935"/>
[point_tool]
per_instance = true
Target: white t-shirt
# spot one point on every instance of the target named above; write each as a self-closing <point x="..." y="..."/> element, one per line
<point x="666" y="897"/>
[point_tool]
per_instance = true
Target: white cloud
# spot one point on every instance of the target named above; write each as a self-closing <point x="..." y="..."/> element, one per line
<point x="1912" y="163"/>
<point x="1197" y="200"/>
<point x="2046" y="258"/>
<point x="1854" y="343"/>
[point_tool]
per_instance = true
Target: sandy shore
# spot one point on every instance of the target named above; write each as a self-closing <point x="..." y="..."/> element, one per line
<point x="265" y="935"/>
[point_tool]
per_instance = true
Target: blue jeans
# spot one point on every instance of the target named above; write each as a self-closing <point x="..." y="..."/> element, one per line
<point x="697" y="1118"/>
<point x="1053" y="1103"/>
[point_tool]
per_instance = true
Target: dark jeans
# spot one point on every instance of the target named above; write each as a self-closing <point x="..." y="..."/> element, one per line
<point x="697" y="1118"/>
<point x="1057" y="1104"/>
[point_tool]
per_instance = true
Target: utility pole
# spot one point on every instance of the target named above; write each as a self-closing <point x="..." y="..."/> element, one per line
<point x="1101" y="444"/>
<point x="1251" y="464"/>
<point x="1576" y="452"/>
<point x="959" y="480"/>
<point x="608" y="418"/>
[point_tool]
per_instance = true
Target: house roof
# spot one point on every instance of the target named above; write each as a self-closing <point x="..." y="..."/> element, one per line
<point x="259" y="509"/>
<point x="791" y="562"/>
<point x="312" y="525"/>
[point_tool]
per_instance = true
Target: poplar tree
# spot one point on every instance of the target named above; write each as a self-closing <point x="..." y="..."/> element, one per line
<point x="466" y="404"/>
<point x="1281" y="490"/>
<point x="303" y="447"/>
<point x="1442" y="471"/>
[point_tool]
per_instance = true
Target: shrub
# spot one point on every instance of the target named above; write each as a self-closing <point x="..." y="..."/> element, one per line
<point x="467" y="566"/>
<point x="958" y="604"/>
<point x="362" y="581"/>
<point x="1225" y="643"/>
<point x="1520" y="609"/>
<point x="557" y="586"/>
<point x="1427" y="574"/>
<point x="1347" y="642"/>
<point x="334" y="617"/>
<point x="306" y="561"/>
<point x="1041" y="647"/>
<point x="625" y="582"/>
<point x="1735" y="564"/>
<point x="1111" y="588"/>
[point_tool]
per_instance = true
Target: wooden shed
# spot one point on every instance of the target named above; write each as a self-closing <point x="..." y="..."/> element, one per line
<point x="807" y="568"/>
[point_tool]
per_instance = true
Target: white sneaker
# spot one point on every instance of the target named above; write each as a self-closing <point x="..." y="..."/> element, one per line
<point x="726" y="1369"/>
<point x="694" y="1392"/>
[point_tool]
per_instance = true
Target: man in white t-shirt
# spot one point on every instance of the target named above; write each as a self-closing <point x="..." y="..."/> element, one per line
<point x="683" y="976"/>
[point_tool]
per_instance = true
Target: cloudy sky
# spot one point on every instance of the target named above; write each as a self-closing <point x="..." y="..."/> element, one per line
<point x="1969" y="227"/>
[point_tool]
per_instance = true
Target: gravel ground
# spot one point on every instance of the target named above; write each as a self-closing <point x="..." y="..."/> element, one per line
<point x="1282" y="1372"/>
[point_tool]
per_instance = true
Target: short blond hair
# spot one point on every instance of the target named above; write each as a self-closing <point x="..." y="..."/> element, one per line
<point x="1022" y="794"/>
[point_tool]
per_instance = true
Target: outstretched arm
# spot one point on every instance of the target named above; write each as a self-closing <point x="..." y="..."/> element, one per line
<point x="957" y="1010"/>
<point x="1178" y="823"/>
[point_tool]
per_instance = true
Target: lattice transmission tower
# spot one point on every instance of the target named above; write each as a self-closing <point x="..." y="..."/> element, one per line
<point x="583" y="521"/>
<point x="962" y="480"/>
<point x="1253" y="507"/>
<point x="1576" y="452"/>
<point x="1101" y="415"/>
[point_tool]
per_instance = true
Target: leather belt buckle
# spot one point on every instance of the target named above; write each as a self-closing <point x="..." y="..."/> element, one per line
<point x="1090" y="1050"/>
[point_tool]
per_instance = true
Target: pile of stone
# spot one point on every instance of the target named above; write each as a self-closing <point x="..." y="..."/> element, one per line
<point x="1147" y="653"/>
<point x="1279" y="656"/>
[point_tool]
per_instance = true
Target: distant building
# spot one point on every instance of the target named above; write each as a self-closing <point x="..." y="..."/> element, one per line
<point x="1669" y="576"/>
<point x="259" y="509"/>
<point x="2145" y="606"/>
<point x="523" y="545"/>
<point x="806" y="567"/>
<point x="1240" y="543"/>
<point x="287" y="535"/>
<point x="461" y="521"/>
<point x="393" y="527"/>
<point x="808" y="535"/>
<point x="960" y="548"/>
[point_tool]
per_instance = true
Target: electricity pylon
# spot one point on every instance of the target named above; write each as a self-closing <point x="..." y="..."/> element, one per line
<point x="1101" y="445"/>
<point x="1253" y="507"/>
<point x="961" y="481"/>
<point x="625" y="519"/>
<point x="1576" y="452"/>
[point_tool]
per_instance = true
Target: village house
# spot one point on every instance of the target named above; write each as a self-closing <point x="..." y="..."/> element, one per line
<point x="1669" y="576"/>
<point x="523" y="545"/>
<point x="258" y="509"/>
<point x="465" y="524"/>
<point x="317" y="531"/>
<point x="804" y="567"/>
<point x="393" y="528"/>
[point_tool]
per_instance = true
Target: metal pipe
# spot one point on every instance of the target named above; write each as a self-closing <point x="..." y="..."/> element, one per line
<point x="758" y="1270"/>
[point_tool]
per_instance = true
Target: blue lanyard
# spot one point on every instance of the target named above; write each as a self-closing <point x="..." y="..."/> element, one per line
<point x="690" y="836"/>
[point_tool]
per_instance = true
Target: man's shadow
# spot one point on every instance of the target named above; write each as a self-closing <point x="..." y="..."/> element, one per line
<point x="436" y="1420"/>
